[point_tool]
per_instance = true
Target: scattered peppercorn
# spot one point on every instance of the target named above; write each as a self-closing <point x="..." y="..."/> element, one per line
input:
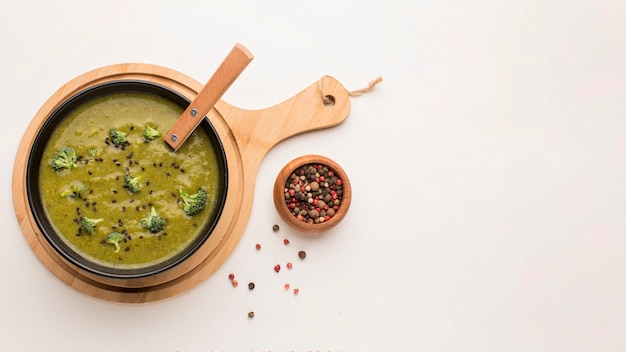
<point x="296" y="291"/>
<point x="286" y="241"/>
<point x="258" y="246"/>
<point x="302" y="254"/>
<point x="235" y="283"/>
<point x="275" y="228"/>
<point x="287" y="287"/>
<point x="277" y="268"/>
<point x="251" y="314"/>
<point x="231" y="276"/>
<point x="289" y="265"/>
<point x="251" y="286"/>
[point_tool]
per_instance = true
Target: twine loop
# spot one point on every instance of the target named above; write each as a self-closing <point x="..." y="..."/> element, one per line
<point x="330" y="100"/>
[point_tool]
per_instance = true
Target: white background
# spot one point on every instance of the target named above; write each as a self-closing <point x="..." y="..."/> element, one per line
<point x="489" y="175"/>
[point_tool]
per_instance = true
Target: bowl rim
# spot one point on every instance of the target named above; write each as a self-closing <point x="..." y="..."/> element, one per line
<point x="32" y="172"/>
<point x="285" y="213"/>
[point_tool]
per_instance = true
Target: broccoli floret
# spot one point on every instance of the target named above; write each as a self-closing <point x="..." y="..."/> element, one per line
<point x="115" y="238"/>
<point x="150" y="133"/>
<point x="89" y="225"/>
<point x="117" y="137"/>
<point x="154" y="222"/>
<point x="132" y="183"/>
<point x="65" y="158"/>
<point x="93" y="152"/>
<point x="193" y="203"/>
<point x="75" y="190"/>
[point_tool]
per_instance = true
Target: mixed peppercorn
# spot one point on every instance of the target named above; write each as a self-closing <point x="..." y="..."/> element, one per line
<point x="277" y="268"/>
<point x="313" y="193"/>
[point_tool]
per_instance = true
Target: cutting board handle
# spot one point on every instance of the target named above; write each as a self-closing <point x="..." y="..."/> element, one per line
<point x="324" y="104"/>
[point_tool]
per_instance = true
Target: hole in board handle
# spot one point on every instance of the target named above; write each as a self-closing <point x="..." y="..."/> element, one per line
<point x="329" y="100"/>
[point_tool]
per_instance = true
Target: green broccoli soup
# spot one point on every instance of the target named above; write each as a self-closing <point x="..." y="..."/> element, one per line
<point x="116" y="193"/>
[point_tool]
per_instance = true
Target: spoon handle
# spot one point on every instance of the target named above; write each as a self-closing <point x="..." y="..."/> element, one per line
<point x="232" y="66"/>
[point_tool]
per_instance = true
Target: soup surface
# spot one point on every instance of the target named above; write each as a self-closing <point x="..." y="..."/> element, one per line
<point x="101" y="168"/>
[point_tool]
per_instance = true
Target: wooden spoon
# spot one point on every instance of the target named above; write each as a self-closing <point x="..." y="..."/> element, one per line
<point x="232" y="66"/>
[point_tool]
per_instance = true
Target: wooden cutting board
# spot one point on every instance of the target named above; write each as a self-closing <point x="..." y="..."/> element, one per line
<point x="247" y="135"/>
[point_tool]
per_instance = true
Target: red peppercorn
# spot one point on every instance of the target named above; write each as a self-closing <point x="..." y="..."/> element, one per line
<point x="296" y="291"/>
<point x="258" y="246"/>
<point x="235" y="283"/>
<point x="286" y="241"/>
<point x="231" y="276"/>
<point x="289" y="265"/>
<point x="338" y="182"/>
<point x="277" y="268"/>
<point x="287" y="287"/>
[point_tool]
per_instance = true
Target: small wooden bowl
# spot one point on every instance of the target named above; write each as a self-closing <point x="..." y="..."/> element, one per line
<point x="285" y="212"/>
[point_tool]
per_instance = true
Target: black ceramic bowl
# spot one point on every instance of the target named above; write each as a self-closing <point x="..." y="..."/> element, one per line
<point x="35" y="201"/>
